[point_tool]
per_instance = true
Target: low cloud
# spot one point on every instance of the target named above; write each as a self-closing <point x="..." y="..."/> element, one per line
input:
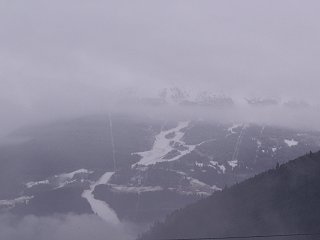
<point x="61" y="58"/>
<point x="63" y="227"/>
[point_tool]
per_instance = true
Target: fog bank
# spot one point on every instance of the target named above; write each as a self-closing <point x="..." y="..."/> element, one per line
<point x="63" y="227"/>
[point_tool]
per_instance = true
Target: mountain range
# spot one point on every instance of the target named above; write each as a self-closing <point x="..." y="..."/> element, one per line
<point x="177" y="96"/>
<point x="133" y="169"/>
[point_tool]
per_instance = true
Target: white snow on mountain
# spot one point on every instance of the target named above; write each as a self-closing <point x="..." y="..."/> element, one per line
<point x="101" y="208"/>
<point x="13" y="202"/>
<point x="198" y="164"/>
<point x="168" y="146"/>
<point x="215" y="164"/>
<point x="65" y="183"/>
<point x="67" y="178"/>
<point x="164" y="144"/>
<point x="291" y="142"/>
<point x="184" y="96"/>
<point x="60" y="180"/>
<point x="233" y="127"/>
<point x="233" y="163"/>
<point x="131" y="189"/>
<point x="198" y="187"/>
<point x="32" y="184"/>
<point x="71" y="175"/>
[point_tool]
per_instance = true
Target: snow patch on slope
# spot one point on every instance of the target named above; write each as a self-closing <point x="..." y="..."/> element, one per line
<point x="233" y="127"/>
<point x="67" y="178"/>
<point x="216" y="164"/>
<point x="33" y="184"/>
<point x="164" y="145"/>
<point x="72" y="174"/>
<point x="13" y="202"/>
<point x="200" y="188"/>
<point x="60" y="180"/>
<point x="141" y="189"/>
<point x="233" y="163"/>
<point x="101" y="208"/>
<point x="291" y="142"/>
<point x="199" y="164"/>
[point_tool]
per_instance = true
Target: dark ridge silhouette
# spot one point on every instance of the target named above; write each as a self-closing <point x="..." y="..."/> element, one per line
<point x="282" y="200"/>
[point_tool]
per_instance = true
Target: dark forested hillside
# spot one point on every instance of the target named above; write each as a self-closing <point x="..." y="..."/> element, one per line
<point x="284" y="199"/>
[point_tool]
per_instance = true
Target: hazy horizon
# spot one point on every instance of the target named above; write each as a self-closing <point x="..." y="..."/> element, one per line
<point x="69" y="58"/>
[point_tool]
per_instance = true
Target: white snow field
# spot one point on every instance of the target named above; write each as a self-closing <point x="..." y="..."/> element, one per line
<point x="101" y="208"/>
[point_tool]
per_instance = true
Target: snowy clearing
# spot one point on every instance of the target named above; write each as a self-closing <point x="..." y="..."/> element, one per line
<point x="101" y="208"/>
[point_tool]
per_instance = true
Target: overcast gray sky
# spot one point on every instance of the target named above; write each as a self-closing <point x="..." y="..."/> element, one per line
<point x="67" y="56"/>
